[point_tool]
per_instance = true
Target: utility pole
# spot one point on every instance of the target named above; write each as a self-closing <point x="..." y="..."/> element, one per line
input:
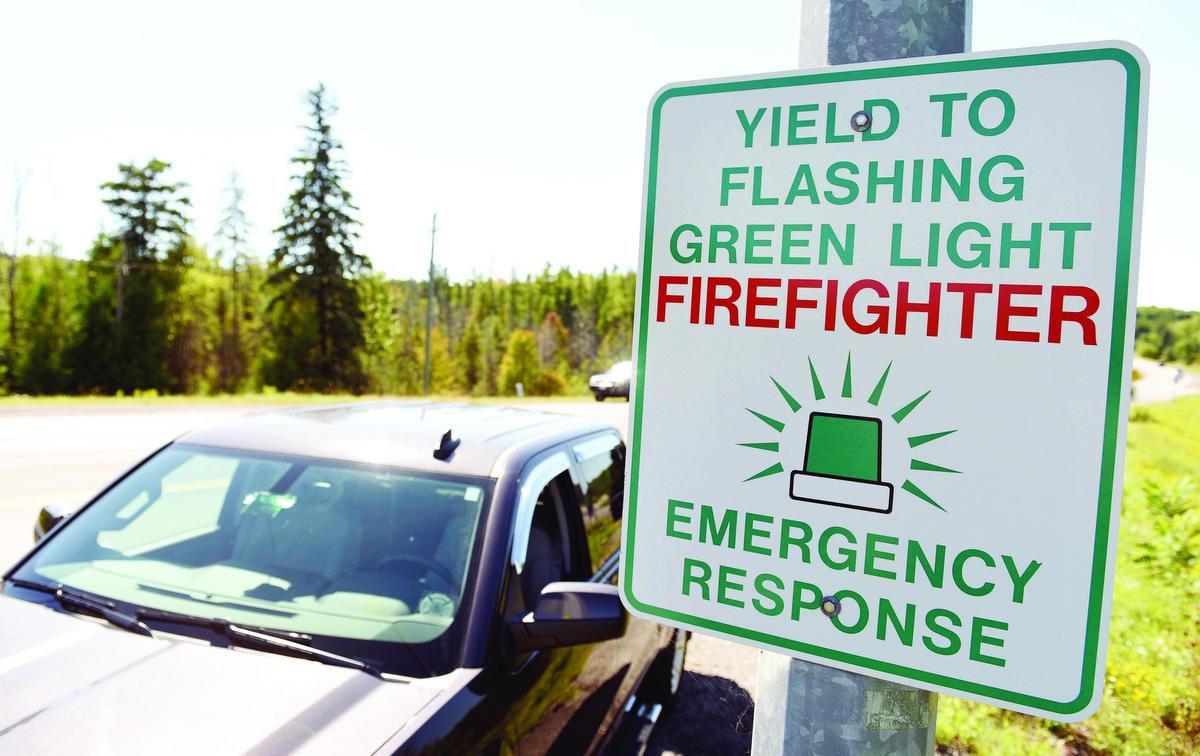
<point x="804" y="707"/>
<point x="429" y="304"/>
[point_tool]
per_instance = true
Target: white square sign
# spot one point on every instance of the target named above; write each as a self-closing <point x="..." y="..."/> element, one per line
<point x="883" y="363"/>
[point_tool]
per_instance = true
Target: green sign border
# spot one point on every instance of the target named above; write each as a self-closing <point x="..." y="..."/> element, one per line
<point x="1129" y="163"/>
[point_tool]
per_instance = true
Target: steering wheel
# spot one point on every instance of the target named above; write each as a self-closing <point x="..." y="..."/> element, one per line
<point x="428" y="564"/>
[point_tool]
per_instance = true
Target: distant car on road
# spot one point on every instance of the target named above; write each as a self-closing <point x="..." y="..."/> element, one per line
<point x="612" y="382"/>
<point x="379" y="578"/>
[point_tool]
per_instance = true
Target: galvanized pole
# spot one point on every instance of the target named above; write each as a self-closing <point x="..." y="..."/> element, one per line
<point x="429" y="305"/>
<point x="801" y="707"/>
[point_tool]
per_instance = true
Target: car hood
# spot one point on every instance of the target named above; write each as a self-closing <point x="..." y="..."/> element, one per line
<point x="70" y="685"/>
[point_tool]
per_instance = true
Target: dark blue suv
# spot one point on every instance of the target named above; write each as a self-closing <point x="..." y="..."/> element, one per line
<point x="397" y="578"/>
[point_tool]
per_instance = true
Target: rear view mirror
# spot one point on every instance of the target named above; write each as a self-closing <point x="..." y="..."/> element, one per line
<point x="47" y="519"/>
<point x="569" y="614"/>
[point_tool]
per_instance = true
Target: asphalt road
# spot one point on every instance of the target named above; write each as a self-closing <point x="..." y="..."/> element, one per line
<point x="67" y="453"/>
<point x="1162" y="383"/>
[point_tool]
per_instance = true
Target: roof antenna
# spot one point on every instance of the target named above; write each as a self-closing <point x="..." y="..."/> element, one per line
<point x="447" y="447"/>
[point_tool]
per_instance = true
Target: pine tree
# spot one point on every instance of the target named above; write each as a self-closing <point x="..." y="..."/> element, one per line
<point x="554" y="342"/>
<point x="232" y="236"/>
<point x="151" y="212"/>
<point x="520" y="363"/>
<point x="315" y="263"/>
<point x="12" y="348"/>
<point x="470" y="358"/>
<point x="123" y="343"/>
<point x="48" y="320"/>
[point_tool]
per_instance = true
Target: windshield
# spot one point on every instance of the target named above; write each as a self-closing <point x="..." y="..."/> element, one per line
<point x="362" y="559"/>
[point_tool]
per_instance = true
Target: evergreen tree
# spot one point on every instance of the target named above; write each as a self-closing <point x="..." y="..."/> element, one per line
<point x="520" y="363"/>
<point x="193" y="323"/>
<point x="50" y="290"/>
<point x="441" y="363"/>
<point x="493" y="353"/>
<point x="152" y="216"/>
<point x="133" y="274"/>
<point x="470" y="358"/>
<point x="12" y="348"/>
<point x="382" y="334"/>
<point x="315" y="265"/>
<point x="232" y="235"/>
<point x="554" y="342"/>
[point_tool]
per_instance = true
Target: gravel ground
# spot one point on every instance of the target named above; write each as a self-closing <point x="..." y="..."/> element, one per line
<point x="715" y="713"/>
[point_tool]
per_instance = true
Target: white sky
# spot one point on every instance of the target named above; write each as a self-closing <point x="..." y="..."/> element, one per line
<point x="522" y="124"/>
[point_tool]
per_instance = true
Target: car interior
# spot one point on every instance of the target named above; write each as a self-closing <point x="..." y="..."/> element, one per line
<point x="331" y="540"/>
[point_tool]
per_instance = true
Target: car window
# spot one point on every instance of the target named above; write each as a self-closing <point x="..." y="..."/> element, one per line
<point x="549" y="540"/>
<point x="601" y="462"/>
<point x="186" y="504"/>
<point x="548" y="555"/>
<point x="533" y="482"/>
<point x="300" y="545"/>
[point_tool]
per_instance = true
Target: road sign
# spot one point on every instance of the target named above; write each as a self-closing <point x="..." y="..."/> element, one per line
<point x="883" y="363"/>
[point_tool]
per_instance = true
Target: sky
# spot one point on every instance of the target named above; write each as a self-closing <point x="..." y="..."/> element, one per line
<point x="521" y="124"/>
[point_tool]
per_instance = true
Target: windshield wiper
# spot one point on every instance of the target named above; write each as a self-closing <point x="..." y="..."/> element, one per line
<point x="73" y="599"/>
<point x="236" y="634"/>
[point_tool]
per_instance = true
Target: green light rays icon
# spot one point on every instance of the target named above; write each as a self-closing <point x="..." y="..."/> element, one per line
<point x="852" y="448"/>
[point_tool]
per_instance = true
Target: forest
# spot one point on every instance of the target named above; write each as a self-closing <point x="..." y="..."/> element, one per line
<point x="215" y="331"/>
<point x="1168" y="335"/>
<point x="149" y="310"/>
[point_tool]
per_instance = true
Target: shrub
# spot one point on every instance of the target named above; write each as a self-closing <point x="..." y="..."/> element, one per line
<point x="520" y="363"/>
<point x="548" y="383"/>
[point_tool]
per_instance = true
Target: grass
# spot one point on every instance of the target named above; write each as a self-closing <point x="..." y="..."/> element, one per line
<point x="1152" y="684"/>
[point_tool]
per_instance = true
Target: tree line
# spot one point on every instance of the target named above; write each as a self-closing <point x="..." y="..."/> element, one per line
<point x="151" y="310"/>
<point x="1169" y="335"/>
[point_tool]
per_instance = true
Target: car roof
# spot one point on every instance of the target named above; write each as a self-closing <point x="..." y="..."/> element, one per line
<point x="400" y="434"/>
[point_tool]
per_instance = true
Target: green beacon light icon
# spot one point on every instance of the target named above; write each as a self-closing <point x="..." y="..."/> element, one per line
<point x="843" y="464"/>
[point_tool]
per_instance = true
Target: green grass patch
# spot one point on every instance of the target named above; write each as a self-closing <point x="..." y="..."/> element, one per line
<point x="1152" y="683"/>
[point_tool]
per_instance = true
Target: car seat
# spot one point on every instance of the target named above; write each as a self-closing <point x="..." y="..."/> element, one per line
<point x="318" y="534"/>
<point x="454" y="547"/>
<point x="543" y="563"/>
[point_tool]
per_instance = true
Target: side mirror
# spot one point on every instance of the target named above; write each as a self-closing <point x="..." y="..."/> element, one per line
<point x="569" y="614"/>
<point x="49" y="518"/>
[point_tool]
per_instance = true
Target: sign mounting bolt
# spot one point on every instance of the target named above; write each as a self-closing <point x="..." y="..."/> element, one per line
<point x="860" y="121"/>
<point x="831" y="606"/>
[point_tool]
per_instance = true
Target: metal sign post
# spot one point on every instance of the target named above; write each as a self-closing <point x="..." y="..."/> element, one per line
<point x="800" y="706"/>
